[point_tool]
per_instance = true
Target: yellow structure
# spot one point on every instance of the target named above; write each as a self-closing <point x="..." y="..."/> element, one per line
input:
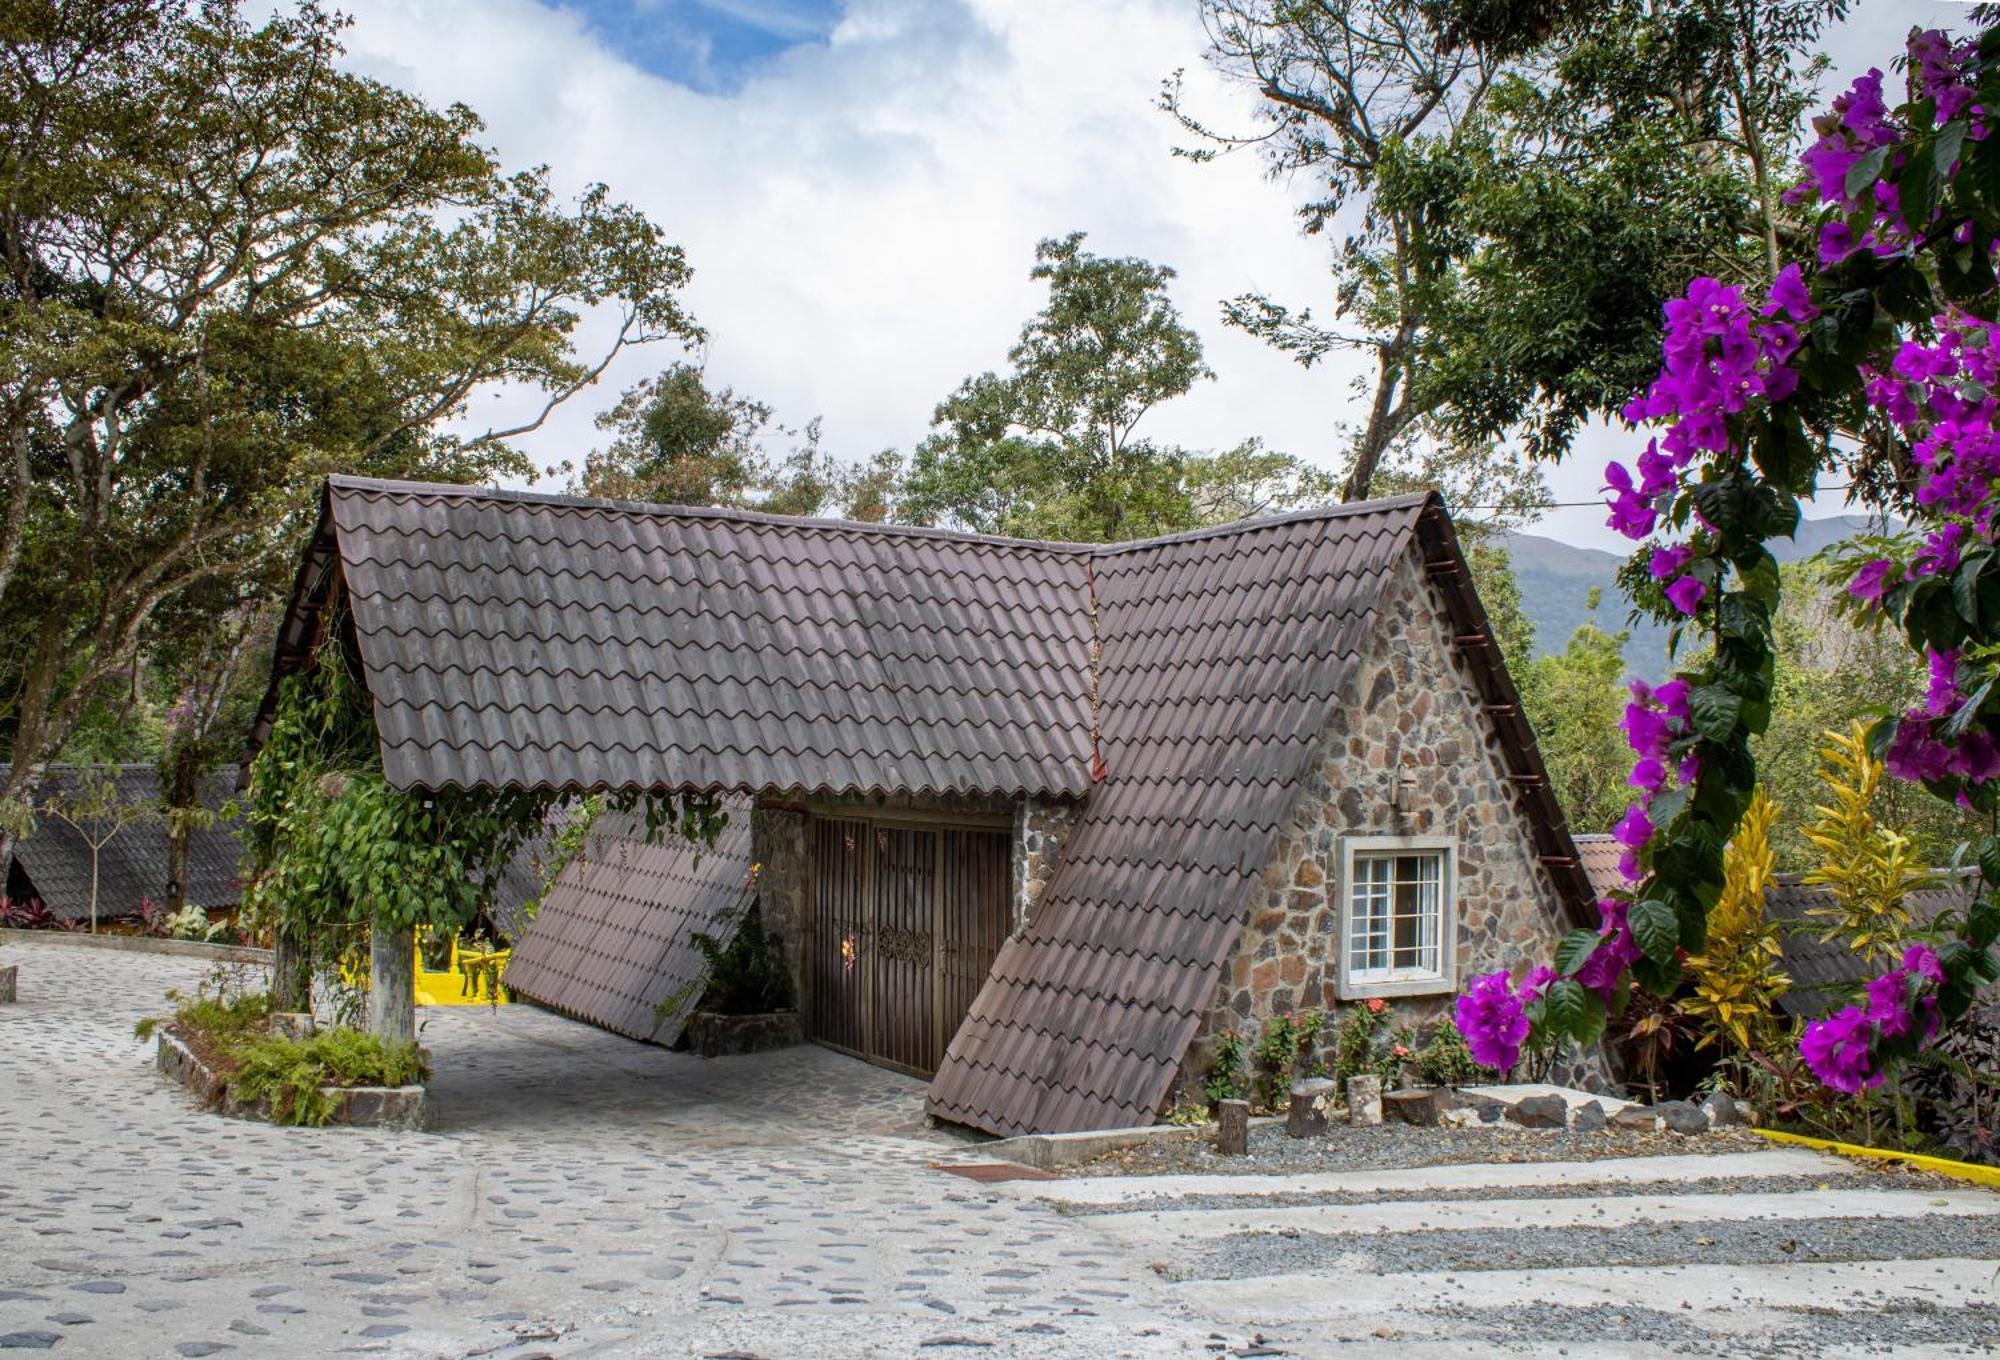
<point x="471" y="977"/>
<point x="1943" y="1166"/>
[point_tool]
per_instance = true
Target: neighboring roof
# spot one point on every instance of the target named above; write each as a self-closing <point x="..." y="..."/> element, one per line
<point x="612" y="943"/>
<point x="1223" y="654"/>
<point x="521" y="881"/>
<point x="538" y="641"/>
<point x="1826" y="974"/>
<point x="55" y="856"/>
<point x="1599" y="854"/>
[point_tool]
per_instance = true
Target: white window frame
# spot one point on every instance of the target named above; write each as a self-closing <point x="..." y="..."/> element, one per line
<point x="1400" y="981"/>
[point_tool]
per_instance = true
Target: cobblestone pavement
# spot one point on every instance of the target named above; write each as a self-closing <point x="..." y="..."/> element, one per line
<point x="585" y="1195"/>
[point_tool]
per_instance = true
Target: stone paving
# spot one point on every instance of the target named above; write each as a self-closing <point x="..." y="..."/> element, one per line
<point x="582" y="1194"/>
<point x="585" y="1195"/>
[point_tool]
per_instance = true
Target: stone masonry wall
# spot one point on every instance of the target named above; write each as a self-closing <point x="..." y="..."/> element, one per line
<point x="1410" y="703"/>
<point x="1040" y="828"/>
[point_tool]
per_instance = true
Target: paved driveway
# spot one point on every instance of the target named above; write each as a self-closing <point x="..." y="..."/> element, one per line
<point x="586" y="1195"/>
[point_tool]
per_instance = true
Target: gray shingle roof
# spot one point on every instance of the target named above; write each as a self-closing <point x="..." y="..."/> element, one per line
<point x="1826" y="974"/>
<point x="55" y="856"/>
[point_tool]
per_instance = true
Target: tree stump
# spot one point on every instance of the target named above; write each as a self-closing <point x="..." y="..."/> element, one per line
<point x="1364" y="1099"/>
<point x="8" y="982"/>
<point x="1232" y="1128"/>
<point x="1307" y="1116"/>
<point x="295" y="1025"/>
<point x="392" y="985"/>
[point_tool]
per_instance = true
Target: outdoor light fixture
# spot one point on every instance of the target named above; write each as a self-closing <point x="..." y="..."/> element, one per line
<point x="1403" y="791"/>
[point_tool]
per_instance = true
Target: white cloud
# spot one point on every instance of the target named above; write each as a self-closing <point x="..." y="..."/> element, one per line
<point x="861" y="215"/>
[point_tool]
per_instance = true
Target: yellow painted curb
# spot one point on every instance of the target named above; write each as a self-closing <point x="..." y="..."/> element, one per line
<point x="1988" y="1176"/>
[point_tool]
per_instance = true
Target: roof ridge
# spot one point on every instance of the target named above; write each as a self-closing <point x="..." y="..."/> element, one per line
<point x="593" y="504"/>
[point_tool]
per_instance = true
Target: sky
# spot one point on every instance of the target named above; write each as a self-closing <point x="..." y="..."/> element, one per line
<point x="860" y="185"/>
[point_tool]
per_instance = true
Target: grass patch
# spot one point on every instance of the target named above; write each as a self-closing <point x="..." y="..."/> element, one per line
<point x="232" y="1035"/>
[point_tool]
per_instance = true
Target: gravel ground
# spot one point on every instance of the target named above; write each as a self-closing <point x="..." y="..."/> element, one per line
<point x="1306" y="1199"/>
<point x="1969" y="1330"/>
<point x="1756" y="1241"/>
<point x="1386" y="1146"/>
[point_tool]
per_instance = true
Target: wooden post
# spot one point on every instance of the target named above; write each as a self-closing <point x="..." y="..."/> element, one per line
<point x="392" y="985"/>
<point x="1232" y="1128"/>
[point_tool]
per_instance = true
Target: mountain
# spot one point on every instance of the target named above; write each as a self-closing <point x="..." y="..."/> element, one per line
<point x="1556" y="579"/>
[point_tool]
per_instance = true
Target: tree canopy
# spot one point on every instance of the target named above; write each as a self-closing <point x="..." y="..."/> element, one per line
<point x="228" y="266"/>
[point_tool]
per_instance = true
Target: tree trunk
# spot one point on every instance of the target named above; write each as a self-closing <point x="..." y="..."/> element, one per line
<point x="392" y="985"/>
<point x="93" y="890"/>
<point x="291" y="983"/>
<point x="1386" y="420"/>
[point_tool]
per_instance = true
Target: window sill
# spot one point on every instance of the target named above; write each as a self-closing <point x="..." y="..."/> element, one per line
<point x="1363" y="989"/>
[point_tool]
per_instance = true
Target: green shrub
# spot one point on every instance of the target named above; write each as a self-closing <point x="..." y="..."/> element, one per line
<point x="1282" y="1052"/>
<point x="287" y="1074"/>
<point x="1228" y="1074"/>
<point x="750" y="976"/>
<point x="1445" y="1060"/>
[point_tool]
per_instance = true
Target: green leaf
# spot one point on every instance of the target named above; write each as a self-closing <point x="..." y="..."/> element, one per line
<point x="1656" y="928"/>
<point x="1574" y="1011"/>
<point x="1864" y="172"/>
<point x="1574" y="950"/>
<point x="1950" y="142"/>
<point x="1714" y="710"/>
<point x="1658" y="978"/>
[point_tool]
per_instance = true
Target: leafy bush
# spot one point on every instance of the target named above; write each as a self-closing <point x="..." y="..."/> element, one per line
<point x="1957" y="1086"/>
<point x="1282" y="1050"/>
<point x="750" y="976"/>
<point x="1228" y="1071"/>
<point x="288" y="1074"/>
<point x="1444" y="1060"/>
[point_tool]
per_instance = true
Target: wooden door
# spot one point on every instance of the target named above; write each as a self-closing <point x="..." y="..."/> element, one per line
<point x="905" y="929"/>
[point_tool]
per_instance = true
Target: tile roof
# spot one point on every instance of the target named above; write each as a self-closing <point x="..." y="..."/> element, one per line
<point x="511" y="639"/>
<point x="1223" y="654"/>
<point x="55" y="856"/>
<point x="1599" y="853"/>
<point x="612" y="941"/>
<point x="1826" y="975"/>
<point x="536" y="641"/>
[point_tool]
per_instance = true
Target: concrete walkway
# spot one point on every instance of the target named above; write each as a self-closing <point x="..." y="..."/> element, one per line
<point x="585" y="1195"/>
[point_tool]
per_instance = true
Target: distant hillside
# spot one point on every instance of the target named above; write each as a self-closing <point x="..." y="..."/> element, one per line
<point x="1556" y="580"/>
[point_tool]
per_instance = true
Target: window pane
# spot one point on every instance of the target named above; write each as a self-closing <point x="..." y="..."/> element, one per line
<point x="1396" y="914"/>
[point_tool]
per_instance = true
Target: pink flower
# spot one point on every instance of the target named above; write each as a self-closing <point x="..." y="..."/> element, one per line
<point x="1941" y="696"/>
<point x="1616" y="950"/>
<point x="1788" y="295"/>
<point x="1836" y="1049"/>
<point x="1635" y="828"/>
<point x="1686" y="594"/>
<point x="1493" y="1022"/>
<point x="1669" y="561"/>
<point x="1871" y="581"/>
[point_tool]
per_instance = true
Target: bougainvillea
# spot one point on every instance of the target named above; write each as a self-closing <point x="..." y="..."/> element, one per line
<point x="1877" y="359"/>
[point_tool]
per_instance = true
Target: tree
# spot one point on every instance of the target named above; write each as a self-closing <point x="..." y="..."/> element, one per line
<point x="1574" y="700"/>
<point x="680" y="443"/>
<point x="1515" y="189"/>
<point x="1052" y="448"/>
<point x="228" y="267"/>
<point x="92" y="802"/>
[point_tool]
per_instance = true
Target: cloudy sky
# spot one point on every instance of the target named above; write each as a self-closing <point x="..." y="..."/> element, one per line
<point x="859" y="187"/>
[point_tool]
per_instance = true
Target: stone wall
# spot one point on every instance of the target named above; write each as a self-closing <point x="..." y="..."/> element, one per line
<point x="781" y="852"/>
<point x="1040" y="828"/>
<point x="1411" y="704"/>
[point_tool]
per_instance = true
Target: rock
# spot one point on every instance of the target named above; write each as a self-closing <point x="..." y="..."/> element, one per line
<point x="8" y="978"/>
<point x="1639" y="1117"/>
<point x="1310" y="1099"/>
<point x="1465" y="1117"/>
<point x="1588" y="1118"/>
<point x="297" y="1025"/>
<point x="1682" y="1116"/>
<point x="1232" y="1128"/>
<point x="1723" y="1110"/>
<point x="1365" y="1101"/>
<point x="1540" y="1112"/>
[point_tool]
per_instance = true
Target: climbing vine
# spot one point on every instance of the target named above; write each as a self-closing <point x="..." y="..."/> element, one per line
<point x="333" y="845"/>
<point x="1877" y="360"/>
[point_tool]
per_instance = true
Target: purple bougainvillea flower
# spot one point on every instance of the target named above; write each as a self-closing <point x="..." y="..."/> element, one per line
<point x="1941" y="696"/>
<point x="1789" y="295"/>
<point x="1871" y="581"/>
<point x="1687" y="594"/>
<point x="1538" y="980"/>
<point x="1836" y="243"/>
<point x="1648" y="773"/>
<point x="1916" y="754"/>
<point x="1836" y="1049"/>
<point x="1616" y="950"/>
<point x="1669" y="561"/>
<point x="1493" y="1022"/>
<point x="1635" y="828"/>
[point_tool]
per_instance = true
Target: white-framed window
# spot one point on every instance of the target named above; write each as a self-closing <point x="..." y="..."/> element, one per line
<point x="1398" y="915"/>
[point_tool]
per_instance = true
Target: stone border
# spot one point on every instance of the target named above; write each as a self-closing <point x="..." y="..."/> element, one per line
<point x="140" y="944"/>
<point x="374" y="1107"/>
<point x="713" y="1035"/>
<point x="1053" y="1151"/>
